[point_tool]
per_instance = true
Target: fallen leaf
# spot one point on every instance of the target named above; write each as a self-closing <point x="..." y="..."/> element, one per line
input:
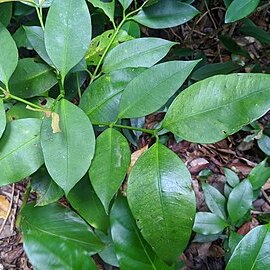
<point x="135" y="156"/>
<point x="4" y="207"/>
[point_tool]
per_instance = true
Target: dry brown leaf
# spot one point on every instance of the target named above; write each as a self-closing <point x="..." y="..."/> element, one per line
<point x="4" y="207"/>
<point x="55" y="122"/>
<point x="135" y="156"/>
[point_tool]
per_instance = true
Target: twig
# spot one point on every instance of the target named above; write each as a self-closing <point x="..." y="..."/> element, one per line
<point x="266" y="197"/>
<point x="9" y="209"/>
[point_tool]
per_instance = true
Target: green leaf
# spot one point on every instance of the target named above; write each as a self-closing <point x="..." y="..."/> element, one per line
<point x="32" y="3"/>
<point x="132" y="251"/>
<point x="31" y="79"/>
<point x="132" y="28"/>
<point x="2" y="118"/>
<point x="259" y="175"/>
<point x="46" y="189"/>
<point x="20" y="151"/>
<point x="252" y="30"/>
<point x="226" y="104"/>
<point x="86" y="202"/>
<point x="162" y="201"/>
<point x="239" y="9"/>
<point x="240" y="200"/>
<point x="107" y="6"/>
<point x="231" y="177"/>
<point x="208" y="223"/>
<point x="67" y="33"/>
<point x="21" y="40"/>
<point x="264" y="144"/>
<point x="108" y="254"/>
<point x="5" y="13"/>
<point x="35" y="36"/>
<point x="20" y="110"/>
<point x="160" y="82"/>
<point x="9" y="55"/>
<point x="165" y="14"/>
<point x="214" y="69"/>
<point x="215" y="201"/>
<point x="233" y="241"/>
<point x="23" y="1"/>
<point x="101" y="99"/>
<point x="100" y="43"/>
<point x="232" y="46"/>
<point x="110" y="164"/>
<point x="252" y="252"/>
<point x="57" y="238"/>
<point x="125" y="3"/>
<point x="68" y="153"/>
<point x="140" y="52"/>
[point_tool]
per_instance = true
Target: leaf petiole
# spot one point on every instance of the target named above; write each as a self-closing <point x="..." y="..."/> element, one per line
<point x="8" y="95"/>
<point x="149" y="131"/>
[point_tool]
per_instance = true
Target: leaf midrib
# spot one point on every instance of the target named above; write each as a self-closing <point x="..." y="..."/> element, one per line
<point x="131" y="57"/>
<point x="56" y="235"/>
<point x="142" y="97"/>
<point x="215" y="108"/>
<point x="21" y="146"/>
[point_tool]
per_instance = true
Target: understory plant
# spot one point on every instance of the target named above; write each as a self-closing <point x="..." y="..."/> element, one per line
<point x="74" y="98"/>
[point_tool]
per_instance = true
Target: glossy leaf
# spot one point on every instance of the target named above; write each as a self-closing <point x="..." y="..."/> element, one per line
<point x="215" y="201"/>
<point x="141" y="52"/>
<point x="108" y="254"/>
<point x="46" y="189"/>
<point x="8" y="55"/>
<point x="165" y="14"/>
<point x="86" y="202"/>
<point x="20" y="151"/>
<point x="240" y="200"/>
<point x="252" y="252"/>
<point x="125" y="3"/>
<point x="32" y="3"/>
<point x="67" y="160"/>
<point x="110" y="164"/>
<point x="252" y="30"/>
<point x="208" y="223"/>
<point x="227" y="103"/>
<point x="264" y="144"/>
<point x="20" y="39"/>
<point x="160" y="181"/>
<point x="5" y="13"/>
<point x="231" y="177"/>
<point x="35" y="35"/>
<point x="231" y="45"/>
<point x="239" y="9"/>
<point x="31" y="79"/>
<point x="25" y="1"/>
<point x="214" y="69"/>
<point x="259" y="175"/>
<point x="132" y="28"/>
<point x="107" y="6"/>
<point x="101" y="99"/>
<point x="67" y="33"/>
<point x="132" y="251"/>
<point x="2" y="118"/>
<point x="99" y="45"/>
<point x="233" y="240"/>
<point x="51" y="232"/>
<point x="152" y="88"/>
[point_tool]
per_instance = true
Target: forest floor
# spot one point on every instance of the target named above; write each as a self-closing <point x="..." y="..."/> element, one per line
<point x="201" y="36"/>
